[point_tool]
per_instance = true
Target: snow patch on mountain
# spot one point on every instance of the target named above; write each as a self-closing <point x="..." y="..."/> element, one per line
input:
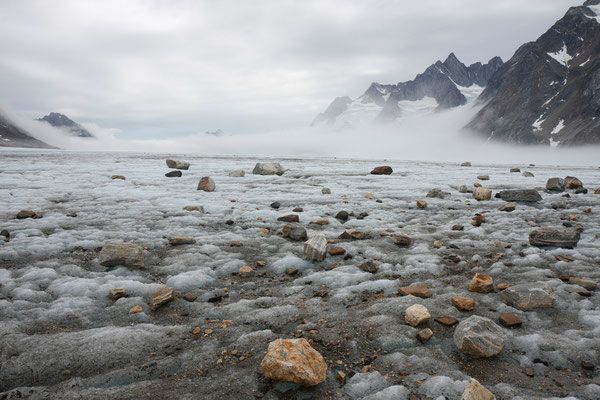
<point x="562" y="56"/>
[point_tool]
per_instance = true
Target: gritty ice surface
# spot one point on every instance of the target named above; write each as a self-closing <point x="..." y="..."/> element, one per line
<point x="62" y="336"/>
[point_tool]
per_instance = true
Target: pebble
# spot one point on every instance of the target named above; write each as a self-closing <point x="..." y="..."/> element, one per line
<point x="446" y="320"/>
<point x="424" y="335"/>
<point x="161" y="296"/>
<point x="337" y="251"/>
<point x="509" y="320"/>
<point x="421" y="291"/>
<point x="481" y="283"/>
<point x="246" y="271"/>
<point x="289" y="218"/>
<point x="463" y="303"/>
<point x="422" y="204"/>
<point x="416" y="315"/>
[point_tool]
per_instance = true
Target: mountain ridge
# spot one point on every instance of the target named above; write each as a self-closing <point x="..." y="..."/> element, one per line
<point x="59" y="120"/>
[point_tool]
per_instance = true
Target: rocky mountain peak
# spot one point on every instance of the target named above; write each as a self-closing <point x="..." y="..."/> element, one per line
<point x="59" y="120"/>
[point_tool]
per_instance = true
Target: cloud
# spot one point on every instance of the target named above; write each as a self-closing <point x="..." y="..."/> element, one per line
<point x="240" y="66"/>
<point x="430" y="137"/>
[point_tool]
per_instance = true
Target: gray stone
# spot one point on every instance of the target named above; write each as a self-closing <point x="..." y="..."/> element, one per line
<point x="483" y="177"/>
<point x="527" y="195"/>
<point x="529" y="296"/>
<point x="238" y="173"/>
<point x="206" y="184"/>
<point x="464" y="189"/>
<point x="200" y="209"/>
<point x="173" y="174"/>
<point x="326" y="191"/>
<point x="555" y="185"/>
<point x="549" y="237"/>
<point x="129" y="255"/>
<point x="178" y="164"/>
<point x="528" y="174"/>
<point x="294" y="231"/>
<point x="508" y="206"/>
<point x="479" y="337"/>
<point x="402" y="240"/>
<point x="315" y="249"/>
<point x="435" y="193"/>
<point x="268" y="169"/>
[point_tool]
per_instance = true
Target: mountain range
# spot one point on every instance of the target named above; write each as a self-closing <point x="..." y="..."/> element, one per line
<point x="13" y="136"/>
<point x="441" y="86"/>
<point x="549" y="91"/>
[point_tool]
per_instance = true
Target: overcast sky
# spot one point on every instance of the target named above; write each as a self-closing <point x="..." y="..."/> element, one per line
<point x="170" y="68"/>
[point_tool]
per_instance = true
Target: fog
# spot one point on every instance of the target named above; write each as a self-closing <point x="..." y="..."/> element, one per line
<point x="433" y="137"/>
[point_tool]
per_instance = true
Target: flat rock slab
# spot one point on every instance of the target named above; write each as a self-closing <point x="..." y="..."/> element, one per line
<point x="29" y="214"/>
<point x="524" y="195"/>
<point x="463" y="303"/>
<point x="383" y="170"/>
<point x="129" y="255"/>
<point x="479" y="337"/>
<point x="509" y="320"/>
<point x="178" y="241"/>
<point x="294" y="360"/>
<point x="446" y="320"/>
<point x="161" y="296"/>
<point x="529" y="296"/>
<point x="421" y="291"/>
<point x="549" y="237"/>
<point x="289" y="218"/>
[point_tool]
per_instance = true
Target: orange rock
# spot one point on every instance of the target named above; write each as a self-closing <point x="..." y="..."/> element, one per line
<point x="336" y="251"/>
<point x="463" y="303"/>
<point x="245" y="271"/>
<point x="161" y="296"/>
<point x="294" y="360"/>
<point x="421" y="204"/>
<point x="503" y="286"/>
<point x="481" y="283"/>
<point x="135" y="309"/>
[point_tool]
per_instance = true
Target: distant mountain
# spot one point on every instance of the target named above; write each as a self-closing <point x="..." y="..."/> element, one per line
<point x="13" y="136"/>
<point x="441" y="86"/>
<point x="549" y="91"/>
<point x="218" y="132"/>
<point x="58" y="120"/>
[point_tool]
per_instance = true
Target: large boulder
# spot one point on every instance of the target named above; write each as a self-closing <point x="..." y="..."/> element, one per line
<point x="294" y="360"/>
<point x="207" y="184"/>
<point x="178" y="164"/>
<point x="529" y="296"/>
<point x="294" y="231"/>
<point x="526" y="195"/>
<point x="315" y="249"/>
<point x="555" y="185"/>
<point x="129" y="255"/>
<point x="268" y="169"/>
<point x="383" y="170"/>
<point x="479" y="337"/>
<point x="549" y="237"/>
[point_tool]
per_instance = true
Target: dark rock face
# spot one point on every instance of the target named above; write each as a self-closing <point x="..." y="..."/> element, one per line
<point x="13" y="136"/>
<point x="439" y="81"/>
<point x="555" y="185"/>
<point x="527" y="195"/>
<point x="549" y="91"/>
<point x="548" y="237"/>
<point x="58" y="120"/>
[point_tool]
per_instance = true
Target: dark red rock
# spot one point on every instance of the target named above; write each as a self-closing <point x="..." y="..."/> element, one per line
<point x="336" y="251"/>
<point x="509" y="320"/>
<point x="383" y="170"/>
<point x="446" y="320"/>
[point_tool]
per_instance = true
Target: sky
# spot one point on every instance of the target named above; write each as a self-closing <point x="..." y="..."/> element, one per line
<point x="159" y="69"/>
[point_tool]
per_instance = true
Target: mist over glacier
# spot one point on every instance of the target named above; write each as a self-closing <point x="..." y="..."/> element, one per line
<point x="431" y="137"/>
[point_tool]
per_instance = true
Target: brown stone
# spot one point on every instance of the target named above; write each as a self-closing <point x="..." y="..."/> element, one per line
<point x="421" y="291"/>
<point x="476" y="391"/>
<point x="383" y="170"/>
<point x="294" y="360"/>
<point x="369" y="195"/>
<point x="336" y="251"/>
<point x="446" y="320"/>
<point x="581" y="292"/>
<point x="438" y="244"/>
<point x="530" y="372"/>
<point x="424" y="335"/>
<point x="597" y="191"/>
<point x="481" y="283"/>
<point x="236" y="243"/>
<point x="358" y="235"/>
<point x="503" y="286"/>
<point x="422" y="204"/>
<point x="481" y="193"/>
<point x="509" y="320"/>
<point x="457" y="227"/>
<point x="246" y="271"/>
<point x="584" y="283"/>
<point x="178" y="241"/>
<point x="29" y="214"/>
<point x="463" y="303"/>
<point x="321" y="221"/>
<point x="478" y="219"/>
<point x="572" y="183"/>
<point x="340" y="376"/>
<point x="121" y="177"/>
<point x="515" y="170"/>
<point x="161" y="296"/>
<point x="402" y="240"/>
<point x="129" y="255"/>
<point x="117" y="293"/>
<point x="289" y="218"/>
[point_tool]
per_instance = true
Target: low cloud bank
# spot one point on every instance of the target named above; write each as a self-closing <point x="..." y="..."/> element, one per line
<point x="435" y="137"/>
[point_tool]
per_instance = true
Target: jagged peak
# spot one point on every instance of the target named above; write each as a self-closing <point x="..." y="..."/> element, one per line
<point x="452" y="59"/>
